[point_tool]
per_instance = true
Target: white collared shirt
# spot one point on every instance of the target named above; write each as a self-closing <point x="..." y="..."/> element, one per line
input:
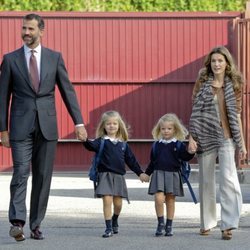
<point x="168" y="141"/>
<point x="37" y="54"/>
<point x="115" y="140"/>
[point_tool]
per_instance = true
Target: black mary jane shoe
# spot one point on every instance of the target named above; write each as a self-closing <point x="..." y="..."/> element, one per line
<point x="115" y="226"/>
<point x="159" y="229"/>
<point x="108" y="233"/>
<point x="115" y="230"/>
<point x="169" y="231"/>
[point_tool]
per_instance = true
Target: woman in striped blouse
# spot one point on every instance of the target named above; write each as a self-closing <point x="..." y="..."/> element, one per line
<point x="216" y="130"/>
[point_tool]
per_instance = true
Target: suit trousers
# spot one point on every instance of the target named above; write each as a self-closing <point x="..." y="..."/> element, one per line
<point x="229" y="188"/>
<point x="38" y="153"/>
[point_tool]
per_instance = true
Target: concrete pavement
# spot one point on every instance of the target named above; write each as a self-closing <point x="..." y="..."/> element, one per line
<point x="75" y="221"/>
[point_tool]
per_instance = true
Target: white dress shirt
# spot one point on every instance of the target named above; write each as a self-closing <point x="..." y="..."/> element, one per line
<point x="37" y="54"/>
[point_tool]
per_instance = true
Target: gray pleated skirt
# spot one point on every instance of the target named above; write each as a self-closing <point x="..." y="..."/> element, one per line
<point x="111" y="184"/>
<point x="167" y="182"/>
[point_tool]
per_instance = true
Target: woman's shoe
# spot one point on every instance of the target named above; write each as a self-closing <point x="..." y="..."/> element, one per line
<point x="226" y="234"/>
<point x="204" y="232"/>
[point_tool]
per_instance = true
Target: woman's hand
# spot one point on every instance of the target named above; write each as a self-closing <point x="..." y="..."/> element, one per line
<point x="192" y="145"/>
<point x="243" y="153"/>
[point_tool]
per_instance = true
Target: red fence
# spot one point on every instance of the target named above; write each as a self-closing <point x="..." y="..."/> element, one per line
<point x="141" y="64"/>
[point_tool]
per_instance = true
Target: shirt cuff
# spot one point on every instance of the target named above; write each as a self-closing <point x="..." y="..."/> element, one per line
<point x="79" y="125"/>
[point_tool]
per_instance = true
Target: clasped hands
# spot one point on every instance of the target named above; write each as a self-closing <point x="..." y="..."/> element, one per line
<point x="144" y="177"/>
<point x="81" y="133"/>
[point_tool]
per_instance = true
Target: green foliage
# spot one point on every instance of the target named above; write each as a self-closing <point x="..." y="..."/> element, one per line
<point x="123" y="5"/>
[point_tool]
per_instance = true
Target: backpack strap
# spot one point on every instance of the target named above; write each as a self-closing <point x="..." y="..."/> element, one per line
<point x="124" y="144"/>
<point x="97" y="158"/>
<point x="178" y="147"/>
<point x="190" y="189"/>
<point x="154" y="149"/>
<point x="99" y="153"/>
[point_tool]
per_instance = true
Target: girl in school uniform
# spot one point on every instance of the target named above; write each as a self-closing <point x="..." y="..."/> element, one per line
<point x="111" y="168"/>
<point x="164" y="166"/>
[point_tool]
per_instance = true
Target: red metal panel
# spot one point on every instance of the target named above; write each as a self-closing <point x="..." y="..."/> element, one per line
<point x="102" y="35"/>
<point x="125" y="48"/>
<point x="141" y="64"/>
<point x="138" y="103"/>
<point x="242" y="37"/>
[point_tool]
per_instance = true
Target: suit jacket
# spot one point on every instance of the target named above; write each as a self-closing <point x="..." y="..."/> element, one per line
<point x="16" y="88"/>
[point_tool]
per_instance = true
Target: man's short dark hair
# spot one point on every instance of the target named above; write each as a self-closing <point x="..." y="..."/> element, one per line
<point x="39" y="19"/>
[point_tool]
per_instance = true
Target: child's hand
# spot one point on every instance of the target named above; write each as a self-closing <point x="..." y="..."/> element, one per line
<point x="147" y="178"/>
<point x="144" y="177"/>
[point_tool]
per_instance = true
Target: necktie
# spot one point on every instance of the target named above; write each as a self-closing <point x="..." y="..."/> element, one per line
<point x="34" y="71"/>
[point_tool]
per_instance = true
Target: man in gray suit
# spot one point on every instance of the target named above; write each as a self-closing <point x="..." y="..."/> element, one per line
<point x="30" y="127"/>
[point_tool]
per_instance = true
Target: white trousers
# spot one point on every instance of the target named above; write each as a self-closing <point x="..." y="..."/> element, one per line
<point x="229" y="188"/>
